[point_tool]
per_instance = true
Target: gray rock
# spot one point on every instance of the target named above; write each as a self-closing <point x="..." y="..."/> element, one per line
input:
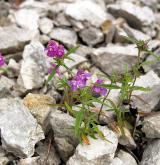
<point x="116" y="161"/>
<point x="27" y="18"/>
<point x="88" y="11"/>
<point x="62" y="20"/>
<point x="126" y="158"/>
<point x="40" y="107"/>
<point x="19" y="130"/>
<point x="14" y="67"/>
<point x="148" y="100"/>
<point x="129" y="11"/>
<point x="3" y="158"/>
<point x="66" y="36"/>
<point x="115" y="57"/>
<point x="30" y="161"/>
<point x="6" y="86"/>
<point x="45" y="25"/>
<point x="151" y="155"/>
<point x="34" y="66"/>
<point x="98" y="152"/>
<point x="151" y="126"/>
<point x="10" y="43"/>
<point x="91" y="36"/>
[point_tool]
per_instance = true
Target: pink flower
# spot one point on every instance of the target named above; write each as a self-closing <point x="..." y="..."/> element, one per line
<point x="2" y="61"/>
<point x="53" y="67"/>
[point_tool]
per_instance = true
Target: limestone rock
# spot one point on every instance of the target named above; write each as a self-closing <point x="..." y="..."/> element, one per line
<point x="45" y="25"/>
<point x="19" y="130"/>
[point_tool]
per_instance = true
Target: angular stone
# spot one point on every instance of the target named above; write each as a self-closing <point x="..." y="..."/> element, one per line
<point x="30" y="161"/>
<point x="113" y="58"/>
<point x="27" y="18"/>
<point x="147" y="101"/>
<point x="116" y="161"/>
<point x="45" y="25"/>
<point x="151" y="155"/>
<point x="66" y="36"/>
<point x="98" y="152"/>
<point x="151" y="125"/>
<point x="10" y="43"/>
<point x="91" y="36"/>
<point x="128" y="11"/>
<point x="3" y="158"/>
<point x="40" y="107"/>
<point x="34" y="66"/>
<point x="19" y="130"/>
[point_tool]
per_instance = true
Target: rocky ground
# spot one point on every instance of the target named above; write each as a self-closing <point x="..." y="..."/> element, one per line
<point x="33" y="133"/>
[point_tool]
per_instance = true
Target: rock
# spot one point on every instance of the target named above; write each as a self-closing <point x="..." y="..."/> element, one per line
<point x="3" y="158"/>
<point x="84" y="51"/>
<point x="113" y="58"/>
<point x="27" y="18"/>
<point x="14" y="67"/>
<point x="62" y="20"/>
<point x="128" y="11"/>
<point x="88" y="11"/>
<point x="34" y="66"/>
<point x="42" y="150"/>
<point x="116" y="161"/>
<point x="30" y="161"/>
<point x="151" y="125"/>
<point x="65" y="139"/>
<point x="66" y="36"/>
<point x="91" y="36"/>
<point x="148" y="100"/>
<point x="40" y="107"/>
<point x="126" y="158"/>
<point x="98" y="152"/>
<point x="45" y="25"/>
<point x="6" y="86"/>
<point x="4" y="12"/>
<point x="44" y="39"/>
<point x="151" y="154"/>
<point x="19" y="130"/>
<point x="10" y="43"/>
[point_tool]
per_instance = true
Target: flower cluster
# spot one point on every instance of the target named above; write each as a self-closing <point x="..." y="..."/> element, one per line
<point x="98" y="89"/>
<point x="55" y="50"/>
<point x="53" y="66"/>
<point x="2" y="61"/>
<point x="80" y="80"/>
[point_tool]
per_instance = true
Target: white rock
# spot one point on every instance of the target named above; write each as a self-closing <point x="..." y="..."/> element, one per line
<point x="151" y="155"/>
<point x="34" y="66"/>
<point x="66" y="36"/>
<point x="129" y="11"/>
<point x="45" y="25"/>
<point x="19" y="130"/>
<point x="116" y="161"/>
<point x="86" y="11"/>
<point x="98" y="152"/>
<point x="30" y="161"/>
<point x="3" y="158"/>
<point x="150" y="98"/>
<point x="27" y="18"/>
<point x="151" y="126"/>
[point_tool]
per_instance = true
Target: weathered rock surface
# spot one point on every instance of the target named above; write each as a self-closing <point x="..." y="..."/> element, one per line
<point x="151" y="155"/>
<point x="30" y="161"/>
<point x="151" y="126"/>
<point x="148" y="100"/>
<point x="19" y="130"/>
<point x="13" y="39"/>
<point x="129" y="11"/>
<point x="3" y="158"/>
<point x="98" y="152"/>
<point x="40" y="107"/>
<point x="34" y="66"/>
<point x="45" y="25"/>
<point x="66" y="36"/>
<point x="115" y="57"/>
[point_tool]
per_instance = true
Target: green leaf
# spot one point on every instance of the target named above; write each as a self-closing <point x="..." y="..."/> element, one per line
<point x="79" y="119"/>
<point x="51" y="75"/>
<point x="69" y="109"/>
<point x="139" y="88"/>
<point x="72" y="50"/>
<point x="109" y="86"/>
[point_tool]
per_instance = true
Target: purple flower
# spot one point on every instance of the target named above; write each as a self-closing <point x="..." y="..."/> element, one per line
<point x="54" y="49"/>
<point x="80" y="80"/>
<point x="57" y="70"/>
<point x="2" y="61"/>
<point x="97" y="89"/>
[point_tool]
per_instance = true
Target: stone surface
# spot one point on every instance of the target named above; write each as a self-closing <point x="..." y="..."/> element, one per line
<point x="6" y="86"/>
<point x="19" y="130"/>
<point x="40" y="107"/>
<point x="45" y="25"/>
<point x="151" y="125"/>
<point x="148" y="100"/>
<point x="30" y="161"/>
<point x="3" y="158"/>
<point x="98" y="152"/>
<point x="151" y="155"/>
<point x="126" y="158"/>
<point x="91" y="36"/>
<point x="14" y="67"/>
<point x="114" y="57"/>
<point x="88" y="11"/>
<point x="10" y="43"/>
<point x="27" y="18"/>
<point x="116" y="161"/>
<point x="66" y="36"/>
<point x="129" y="11"/>
<point x="34" y="66"/>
